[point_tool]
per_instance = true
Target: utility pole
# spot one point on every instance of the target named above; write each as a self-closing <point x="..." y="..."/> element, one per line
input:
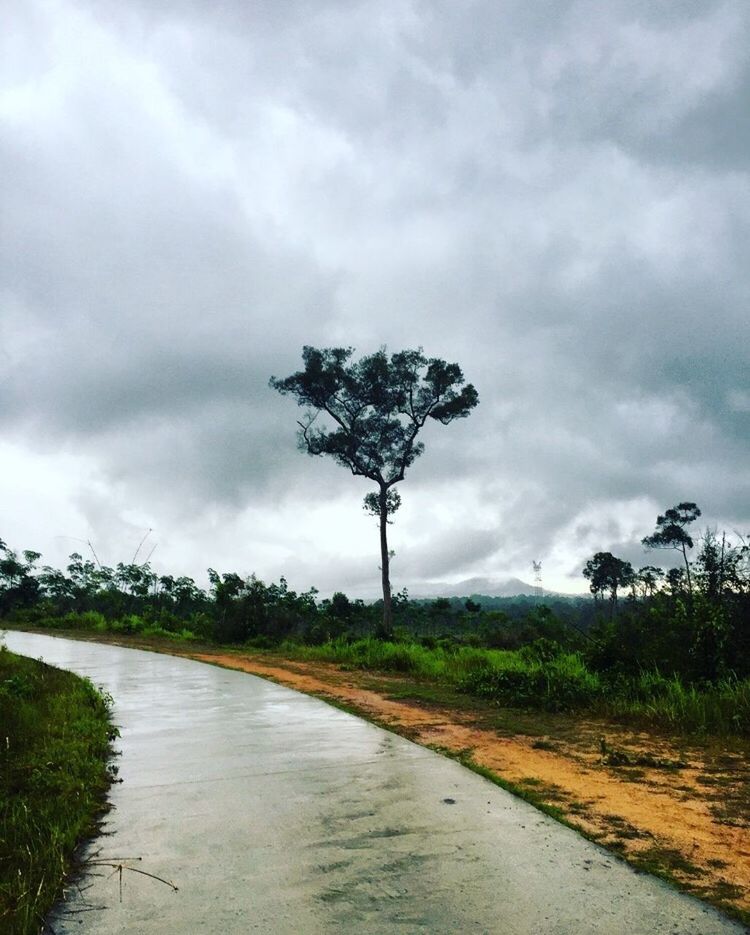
<point x="538" y="589"/>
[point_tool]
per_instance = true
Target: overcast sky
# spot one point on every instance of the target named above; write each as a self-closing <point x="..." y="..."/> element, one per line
<point x="553" y="194"/>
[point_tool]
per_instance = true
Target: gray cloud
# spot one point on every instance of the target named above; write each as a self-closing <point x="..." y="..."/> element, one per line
<point x="554" y="194"/>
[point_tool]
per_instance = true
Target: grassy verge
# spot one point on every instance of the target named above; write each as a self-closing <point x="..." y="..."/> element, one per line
<point x="55" y="737"/>
<point x="560" y="682"/>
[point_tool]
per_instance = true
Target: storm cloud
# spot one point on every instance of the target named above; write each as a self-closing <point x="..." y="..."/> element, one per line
<point x="553" y="194"/>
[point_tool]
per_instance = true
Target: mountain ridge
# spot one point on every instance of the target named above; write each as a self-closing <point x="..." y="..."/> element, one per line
<point x="488" y="587"/>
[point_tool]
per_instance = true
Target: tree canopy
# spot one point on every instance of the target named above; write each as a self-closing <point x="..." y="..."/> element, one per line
<point x="671" y="532"/>
<point x="377" y="406"/>
<point x="606" y="572"/>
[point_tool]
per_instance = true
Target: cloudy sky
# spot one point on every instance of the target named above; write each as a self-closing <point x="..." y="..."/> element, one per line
<point x="553" y="193"/>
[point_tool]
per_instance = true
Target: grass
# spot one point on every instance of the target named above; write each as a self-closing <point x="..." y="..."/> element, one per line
<point x="55" y="743"/>
<point x="129" y="624"/>
<point x="562" y="683"/>
<point x="721" y="708"/>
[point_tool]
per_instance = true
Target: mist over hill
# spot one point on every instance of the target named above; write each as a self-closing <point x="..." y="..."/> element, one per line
<point x="473" y="587"/>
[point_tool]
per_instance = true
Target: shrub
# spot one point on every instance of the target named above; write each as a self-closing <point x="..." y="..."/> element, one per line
<point x="561" y="685"/>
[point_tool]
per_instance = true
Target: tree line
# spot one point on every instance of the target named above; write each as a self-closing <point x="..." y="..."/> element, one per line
<point x="692" y="618"/>
<point x="238" y="609"/>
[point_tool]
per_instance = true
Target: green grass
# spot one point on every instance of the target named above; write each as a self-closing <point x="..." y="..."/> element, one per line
<point x="562" y="683"/>
<point x="720" y="708"/>
<point x="130" y="624"/>
<point x="443" y="664"/>
<point x="55" y="743"/>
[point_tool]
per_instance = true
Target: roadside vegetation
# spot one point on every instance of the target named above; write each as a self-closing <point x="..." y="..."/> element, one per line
<point x="55" y="737"/>
<point x="668" y="648"/>
<point x="542" y="677"/>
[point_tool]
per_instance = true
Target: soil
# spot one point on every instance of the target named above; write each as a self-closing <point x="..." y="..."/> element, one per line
<point x="675" y="807"/>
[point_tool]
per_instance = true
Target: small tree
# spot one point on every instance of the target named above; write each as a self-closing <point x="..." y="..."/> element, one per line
<point x="606" y="572"/>
<point x="375" y="409"/>
<point x="671" y="533"/>
<point x="649" y="577"/>
<point x="18" y="585"/>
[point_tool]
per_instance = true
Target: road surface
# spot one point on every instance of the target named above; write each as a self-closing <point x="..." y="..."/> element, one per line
<point x="273" y="812"/>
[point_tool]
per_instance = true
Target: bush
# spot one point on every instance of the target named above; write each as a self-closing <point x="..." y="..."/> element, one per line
<point x="561" y="685"/>
<point x="541" y="650"/>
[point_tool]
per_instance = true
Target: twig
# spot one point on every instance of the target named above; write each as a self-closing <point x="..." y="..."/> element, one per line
<point x="118" y="864"/>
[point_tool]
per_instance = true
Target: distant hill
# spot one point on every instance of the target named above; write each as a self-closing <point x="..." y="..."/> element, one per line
<point x="489" y="587"/>
<point x="486" y="589"/>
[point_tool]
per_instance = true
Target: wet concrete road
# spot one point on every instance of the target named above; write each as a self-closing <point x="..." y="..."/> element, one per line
<point x="276" y="813"/>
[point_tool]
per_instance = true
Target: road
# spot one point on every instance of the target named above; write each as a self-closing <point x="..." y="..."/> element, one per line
<point x="274" y="812"/>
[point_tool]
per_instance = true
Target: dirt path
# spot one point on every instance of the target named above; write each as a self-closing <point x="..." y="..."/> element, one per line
<point x="687" y="819"/>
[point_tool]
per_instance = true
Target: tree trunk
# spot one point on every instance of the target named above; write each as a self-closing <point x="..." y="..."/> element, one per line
<point x="689" y="580"/>
<point x="385" y="560"/>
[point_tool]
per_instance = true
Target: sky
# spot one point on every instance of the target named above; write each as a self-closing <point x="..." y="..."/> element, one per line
<point x="552" y="194"/>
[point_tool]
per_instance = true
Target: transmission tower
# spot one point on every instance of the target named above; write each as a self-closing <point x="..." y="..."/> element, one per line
<point x="538" y="590"/>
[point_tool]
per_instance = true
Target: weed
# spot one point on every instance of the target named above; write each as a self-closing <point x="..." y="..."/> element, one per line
<point x="723" y="890"/>
<point x="612" y="756"/>
<point x="666" y="862"/>
<point x="53" y="776"/>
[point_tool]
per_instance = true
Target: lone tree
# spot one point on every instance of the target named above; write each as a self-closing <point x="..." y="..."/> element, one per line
<point x="372" y="410"/>
<point x="671" y="533"/>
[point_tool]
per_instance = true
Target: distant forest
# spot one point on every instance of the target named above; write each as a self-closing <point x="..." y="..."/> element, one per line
<point x="692" y="620"/>
<point x="132" y="598"/>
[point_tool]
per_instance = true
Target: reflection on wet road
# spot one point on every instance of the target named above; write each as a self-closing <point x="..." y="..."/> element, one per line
<point x="276" y="813"/>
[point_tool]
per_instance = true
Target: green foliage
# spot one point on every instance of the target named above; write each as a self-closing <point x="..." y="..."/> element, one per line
<point x="247" y="608"/>
<point x="371" y="502"/>
<point x="562" y="683"/>
<point x="691" y="621"/>
<point x="720" y="708"/>
<point x="671" y="532"/>
<point x="18" y="586"/>
<point x="607" y="573"/>
<point x="376" y="406"/>
<point x="55" y="743"/>
<point x="541" y="676"/>
<point x="671" y="528"/>
<point x="541" y="650"/>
